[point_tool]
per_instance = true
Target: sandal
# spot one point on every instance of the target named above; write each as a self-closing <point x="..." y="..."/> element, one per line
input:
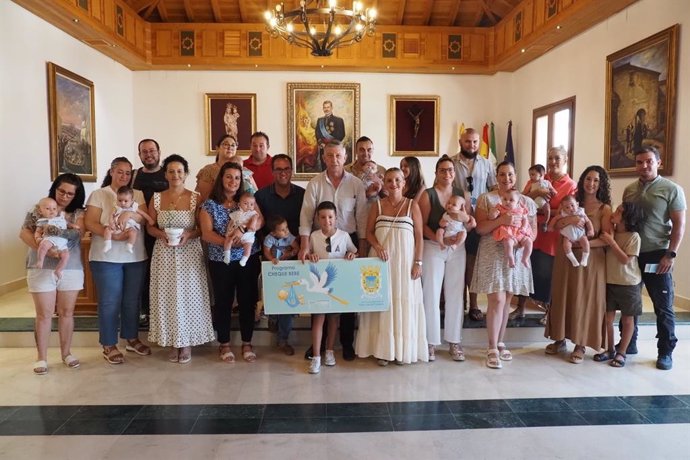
<point x="41" y="367"/>
<point x="503" y="353"/>
<point x="248" y="353"/>
<point x="185" y="355"/>
<point x="71" y="361"/>
<point x="605" y="356"/>
<point x="578" y="355"/>
<point x="226" y="354"/>
<point x="558" y="346"/>
<point x="113" y="355"/>
<point x="516" y="315"/>
<point x="492" y="359"/>
<point x="138" y="347"/>
<point x="475" y="314"/>
<point x="174" y="355"/>
<point x="432" y="353"/>
<point x="618" y="360"/>
<point x="456" y="352"/>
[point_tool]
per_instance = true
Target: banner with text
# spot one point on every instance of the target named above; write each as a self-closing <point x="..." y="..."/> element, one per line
<point x="328" y="286"/>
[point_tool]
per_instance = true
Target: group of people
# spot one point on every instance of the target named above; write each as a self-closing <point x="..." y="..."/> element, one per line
<point x="186" y="256"/>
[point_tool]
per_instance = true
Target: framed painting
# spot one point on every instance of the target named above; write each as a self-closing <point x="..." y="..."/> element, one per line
<point x="317" y="114"/>
<point x="414" y="123"/>
<point x="641" y="102"/>
<point x="72" y="123"/>
<point x="233" y="114"/>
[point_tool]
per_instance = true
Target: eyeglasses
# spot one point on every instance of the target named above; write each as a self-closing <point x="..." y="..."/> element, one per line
<point x="229" y="145"/>
<point x="282" y="170"/>
<point x="328" y="244"/>
<point x="446" y="170"/>
<point x="470" y="184"/>
<point x="64" y="193"/>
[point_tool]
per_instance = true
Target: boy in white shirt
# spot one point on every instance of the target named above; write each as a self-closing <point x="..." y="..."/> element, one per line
<point x="327" y="243"/>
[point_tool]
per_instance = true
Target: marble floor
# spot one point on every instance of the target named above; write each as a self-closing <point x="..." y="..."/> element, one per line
<point x="536" y="407"/>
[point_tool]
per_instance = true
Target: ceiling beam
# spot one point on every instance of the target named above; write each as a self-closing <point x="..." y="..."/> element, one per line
<point x="163" y="11"/>
<point x="216" y="11"/>
<point x="492" y="17"/>
<point x="189" y="11"/>
<point x="453" y="14"/>
<point x="401" y="12"/>
<point x="429" y="5"/>
<point x="151" y="8"/>
<point x="242" y="10"/>
<point x="140" y="5"/>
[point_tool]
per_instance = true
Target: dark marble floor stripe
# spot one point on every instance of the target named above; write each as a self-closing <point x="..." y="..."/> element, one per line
<point x="341" y="417"/>
<point x="90" y="323"/>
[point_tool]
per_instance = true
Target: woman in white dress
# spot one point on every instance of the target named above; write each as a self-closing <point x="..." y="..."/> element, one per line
<point x="180" y="310"/>
<point x="394" y="230"/>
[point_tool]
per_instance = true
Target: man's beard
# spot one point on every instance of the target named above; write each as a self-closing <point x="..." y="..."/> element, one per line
<point x="469" y="155"/>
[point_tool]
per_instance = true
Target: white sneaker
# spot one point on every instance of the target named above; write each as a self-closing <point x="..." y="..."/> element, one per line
<point x="329" y="360"/>
<point x="315" y="365"/>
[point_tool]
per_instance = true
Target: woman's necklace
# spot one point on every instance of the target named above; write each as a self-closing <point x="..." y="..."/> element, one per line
<point x="172" y="206"/>
<point x="397" y="205"/>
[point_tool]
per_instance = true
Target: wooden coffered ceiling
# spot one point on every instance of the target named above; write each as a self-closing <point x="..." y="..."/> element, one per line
<point x="445" y="13"/>
<point x="412" y="36"/>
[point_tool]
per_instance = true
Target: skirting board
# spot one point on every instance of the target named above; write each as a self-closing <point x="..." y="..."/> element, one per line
<point x="12" y="286"/>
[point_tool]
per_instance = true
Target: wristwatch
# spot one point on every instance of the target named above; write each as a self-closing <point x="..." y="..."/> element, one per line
<point x="418" y="262"/>
<point x="671" y="254"/>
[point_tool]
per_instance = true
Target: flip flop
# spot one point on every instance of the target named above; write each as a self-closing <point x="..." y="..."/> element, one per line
<point x="41" y="367"/>
<point x="71" y="361"/>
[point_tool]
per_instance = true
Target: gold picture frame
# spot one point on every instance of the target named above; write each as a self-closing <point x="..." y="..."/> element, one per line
<point x="72" y="124"/>
<point x="414" y="125"/>
<point x="233" y="114"/>
<point x="641" y="102"/>
<point x="311" y="123"/>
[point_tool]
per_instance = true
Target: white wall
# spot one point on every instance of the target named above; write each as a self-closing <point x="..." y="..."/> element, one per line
<point x="26" y="44"/>
<point x="578" y="68"/>
<point x="176" y="99"/>
<point x="168" y="105"/>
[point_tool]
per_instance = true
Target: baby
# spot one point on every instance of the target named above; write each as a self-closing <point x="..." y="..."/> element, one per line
<point x="451" y="223"/>
<point x="125" y="203"/>
<point x="370" y="176"/>
<point x="49" y="233"/>
<point x="537" y="182"/>
<point x="513" y="235"/>
<point x="247" y="179"/>
<point x="572" y="233"/>
<point x="279" y="244"/>
<point x="242" y="218"/>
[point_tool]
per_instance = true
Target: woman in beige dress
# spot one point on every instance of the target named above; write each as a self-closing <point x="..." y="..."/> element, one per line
<point x="578" y="294"/>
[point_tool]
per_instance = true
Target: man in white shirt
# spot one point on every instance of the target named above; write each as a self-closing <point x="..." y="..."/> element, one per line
<point x="475" y="174"/>
<point x="349" y="195"/>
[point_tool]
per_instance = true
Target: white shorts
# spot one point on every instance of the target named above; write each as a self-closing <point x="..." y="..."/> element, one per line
<point x="44" y="280"/>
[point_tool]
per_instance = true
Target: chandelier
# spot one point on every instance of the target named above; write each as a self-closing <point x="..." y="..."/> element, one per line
<point x="321" y="25"/>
